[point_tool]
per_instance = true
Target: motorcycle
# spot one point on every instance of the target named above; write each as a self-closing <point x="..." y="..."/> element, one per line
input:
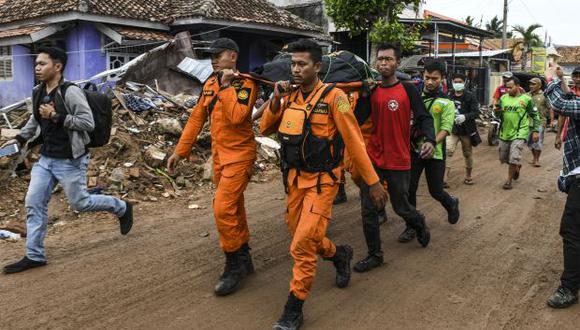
<point x="494" y="125"/>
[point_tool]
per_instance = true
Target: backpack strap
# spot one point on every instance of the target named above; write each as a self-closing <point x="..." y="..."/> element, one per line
<point x="61" y="92"/>
<point x="321" y="97"/>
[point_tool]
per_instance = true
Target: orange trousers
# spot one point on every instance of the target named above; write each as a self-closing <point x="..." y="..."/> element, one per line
<point x="228" y="204"/>
<point x="307" y="218"/>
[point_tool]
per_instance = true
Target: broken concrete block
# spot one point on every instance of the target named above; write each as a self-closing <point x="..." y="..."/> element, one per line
<point x="93" y="181"/>
<point x="154" y="157"/>
<point x="9" y="134"/>
<point x="268" y="148"/>
<point x="169" y="126"/>
<point x="117" y="176"/>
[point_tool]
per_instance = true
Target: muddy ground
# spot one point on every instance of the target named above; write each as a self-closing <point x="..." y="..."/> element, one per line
<point x="493" y="270"/>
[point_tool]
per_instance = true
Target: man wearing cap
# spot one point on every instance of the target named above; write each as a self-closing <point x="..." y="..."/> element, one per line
<point x="501" y="89"/>
<point x="227" y="101"/>
<point x="542" y="106"/>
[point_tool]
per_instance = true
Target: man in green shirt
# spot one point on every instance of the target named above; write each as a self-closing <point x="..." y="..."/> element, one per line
<point x="543" y="107"/>
<point x="442" y="109"/>
<point x="514" y="110"/>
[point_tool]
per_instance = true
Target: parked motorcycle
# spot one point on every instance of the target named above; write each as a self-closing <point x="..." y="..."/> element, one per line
<point x="494" y="125"/>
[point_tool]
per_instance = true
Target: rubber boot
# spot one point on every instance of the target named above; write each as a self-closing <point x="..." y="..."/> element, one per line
<point x="340" y="196"/>
<point x="292" y="317"/>
<point x="234" y="273"/>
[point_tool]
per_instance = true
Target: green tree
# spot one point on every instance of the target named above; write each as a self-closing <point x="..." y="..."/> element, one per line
<point x="469" y="20"/>
<point x="530" y="39"/>
<point x="379" y="18"/>
<point x="496" y="26"/>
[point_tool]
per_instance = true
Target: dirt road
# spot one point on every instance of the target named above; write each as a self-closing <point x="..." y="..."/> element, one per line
<point x="493" y="270"/>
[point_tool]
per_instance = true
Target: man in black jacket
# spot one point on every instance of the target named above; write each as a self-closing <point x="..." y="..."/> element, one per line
<point x="465" y="126"/>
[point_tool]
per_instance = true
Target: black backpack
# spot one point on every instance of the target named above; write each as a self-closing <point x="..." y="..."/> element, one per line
<point x="102" y="109"/>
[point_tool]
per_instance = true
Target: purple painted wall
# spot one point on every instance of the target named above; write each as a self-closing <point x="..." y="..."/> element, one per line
<point x="20" y="87"/>
<point x="85" y="58"/>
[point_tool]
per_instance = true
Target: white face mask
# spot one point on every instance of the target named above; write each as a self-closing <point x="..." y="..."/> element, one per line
<point x="458" y="87"/>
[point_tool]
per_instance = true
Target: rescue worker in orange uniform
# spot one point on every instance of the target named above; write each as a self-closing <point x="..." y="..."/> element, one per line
<point x="314" y="123"/>
<point x="227" y="101"/>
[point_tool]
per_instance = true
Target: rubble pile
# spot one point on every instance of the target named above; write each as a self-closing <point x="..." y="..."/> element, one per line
<point x="146" y="127"/>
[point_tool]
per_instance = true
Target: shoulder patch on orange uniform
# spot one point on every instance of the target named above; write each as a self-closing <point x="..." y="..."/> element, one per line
<point x="342" y="104"/>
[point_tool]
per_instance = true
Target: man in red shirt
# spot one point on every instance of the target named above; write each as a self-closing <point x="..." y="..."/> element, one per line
<point x="393" y="106"/>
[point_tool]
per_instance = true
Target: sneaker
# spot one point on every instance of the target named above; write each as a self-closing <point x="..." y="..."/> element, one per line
<point x="368" y="263"/>
<point x="342" y="261"/>
<point x="423" y="235"/>
<point x="453" y="213"/>
<point x="23" y="265"/>
<point x="126" y="221"/>
<point x="340" y="196"/>
<point x="234" y="273"/>
<point x="407" y="235"/>
<point x="292" y="317"/>
<point x="562" y="298"/>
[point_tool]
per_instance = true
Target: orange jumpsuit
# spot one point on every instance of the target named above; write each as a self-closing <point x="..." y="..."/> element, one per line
<point x="308" y="211"/>
<point x="366" y="129"/>
<point x="233" y="151"/>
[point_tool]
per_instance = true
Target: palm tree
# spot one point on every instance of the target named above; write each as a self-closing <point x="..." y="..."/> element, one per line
<point x="496" y="26"/>
<point x="530" y="39"/>
<point x="469" y="20"/>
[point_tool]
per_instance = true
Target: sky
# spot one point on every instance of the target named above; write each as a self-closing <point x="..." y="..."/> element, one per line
<point x="559" y="17"/>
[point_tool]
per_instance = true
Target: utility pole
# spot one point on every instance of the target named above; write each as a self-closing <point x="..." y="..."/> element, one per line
<point x="504" y="32"/>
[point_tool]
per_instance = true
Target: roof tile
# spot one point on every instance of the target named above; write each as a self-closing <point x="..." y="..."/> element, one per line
<point x="166" y="11"/>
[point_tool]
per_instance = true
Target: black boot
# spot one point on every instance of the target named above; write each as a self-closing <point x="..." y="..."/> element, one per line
<point x="341" y="261"/>
<point x="246" y="258"/>
<point x="232" y="276"/>
<point x="340" y="196"/>
<point x="292" y="317"/>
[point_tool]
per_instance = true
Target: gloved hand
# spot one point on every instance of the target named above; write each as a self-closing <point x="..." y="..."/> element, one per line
<point x="460" y="119"/>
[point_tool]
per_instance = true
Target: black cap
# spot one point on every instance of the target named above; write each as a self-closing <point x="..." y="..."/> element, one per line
<point x="576" y="70"/>
<point x="221" y="44"/>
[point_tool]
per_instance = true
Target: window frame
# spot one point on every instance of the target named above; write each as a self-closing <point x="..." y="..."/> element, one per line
<point x="4" y="60"/>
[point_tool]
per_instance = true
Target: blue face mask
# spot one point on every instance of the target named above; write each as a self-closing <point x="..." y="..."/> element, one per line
<point x="458" y="87"/>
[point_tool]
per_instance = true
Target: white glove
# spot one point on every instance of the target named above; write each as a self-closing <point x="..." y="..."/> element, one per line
<point x="460" y="119"/>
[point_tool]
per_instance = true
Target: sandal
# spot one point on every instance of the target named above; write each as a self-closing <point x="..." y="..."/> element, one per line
<point x="468" y="182"/>
<point x="507" y="186"/>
